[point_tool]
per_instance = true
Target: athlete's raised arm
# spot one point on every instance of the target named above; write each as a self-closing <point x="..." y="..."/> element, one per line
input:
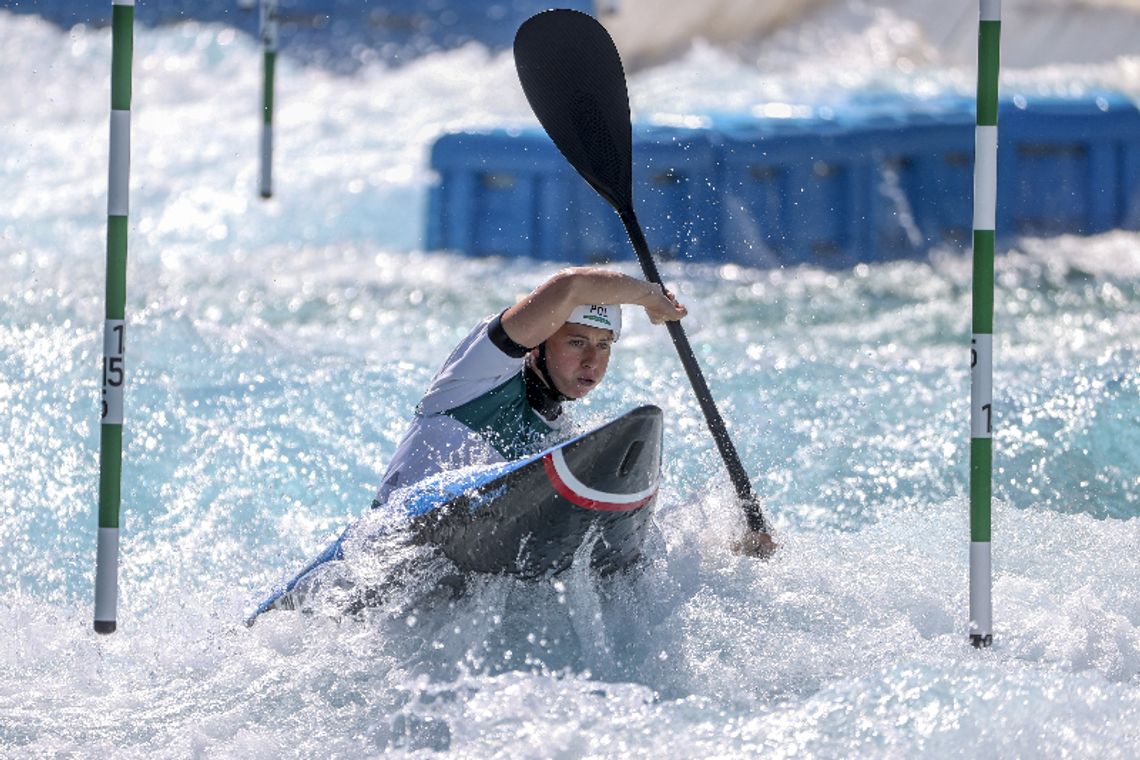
<point x="539" y="315"/>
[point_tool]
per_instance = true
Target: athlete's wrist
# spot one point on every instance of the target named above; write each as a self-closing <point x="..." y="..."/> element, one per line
<point x="652" y="293"/>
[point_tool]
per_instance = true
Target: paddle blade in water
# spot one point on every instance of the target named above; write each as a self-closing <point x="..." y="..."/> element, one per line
<point x="573" y="78"/>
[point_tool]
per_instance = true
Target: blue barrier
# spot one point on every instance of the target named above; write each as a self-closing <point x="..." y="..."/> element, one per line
<point x="512" y="194"/>
<point x="1068" y="161"/>
<point x="504" y="194"/>
<point x="673" y="198"/>
<point x="798" y="190"/>
<point x="877" y="179"/>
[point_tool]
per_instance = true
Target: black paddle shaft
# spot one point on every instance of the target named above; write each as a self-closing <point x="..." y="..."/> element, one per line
<point x="740" y="480"/>
<point x="573" y="78"/>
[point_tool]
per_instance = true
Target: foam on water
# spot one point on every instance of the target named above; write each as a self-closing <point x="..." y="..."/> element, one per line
<point x="276" y="349"/>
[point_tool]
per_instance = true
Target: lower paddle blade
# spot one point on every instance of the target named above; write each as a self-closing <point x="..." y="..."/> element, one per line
<point x="572" y="75"/>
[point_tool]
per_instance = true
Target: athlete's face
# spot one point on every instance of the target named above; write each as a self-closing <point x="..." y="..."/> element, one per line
<point x="577" y="357"/>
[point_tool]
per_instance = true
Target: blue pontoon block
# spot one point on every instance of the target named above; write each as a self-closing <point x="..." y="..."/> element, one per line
<point x="511" y="193"/>
<point x="1068" y="165"/>
<point x="877" y="178"/>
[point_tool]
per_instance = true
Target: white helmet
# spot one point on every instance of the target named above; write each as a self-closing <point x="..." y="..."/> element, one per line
<point x="605" y="316"/>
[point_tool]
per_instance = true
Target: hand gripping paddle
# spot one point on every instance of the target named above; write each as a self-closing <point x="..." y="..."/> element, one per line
<point x="573" y="78"/>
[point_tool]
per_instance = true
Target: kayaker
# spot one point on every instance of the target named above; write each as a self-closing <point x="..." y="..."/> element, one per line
<point x="499" y="395"/>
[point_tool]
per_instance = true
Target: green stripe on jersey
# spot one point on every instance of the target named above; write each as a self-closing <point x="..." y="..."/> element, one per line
<point x="505" y="419"/>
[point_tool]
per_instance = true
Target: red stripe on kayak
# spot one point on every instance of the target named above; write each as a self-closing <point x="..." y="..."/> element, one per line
<point x="586" y="503"/>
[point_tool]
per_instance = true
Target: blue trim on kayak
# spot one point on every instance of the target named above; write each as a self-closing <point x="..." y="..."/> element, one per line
<point x="417" y="500"/>
<point x="334" y="551"/>
<point x="441" y="488"/>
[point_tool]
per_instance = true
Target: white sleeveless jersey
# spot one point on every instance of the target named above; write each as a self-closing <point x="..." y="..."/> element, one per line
<point x="475" y="411"/>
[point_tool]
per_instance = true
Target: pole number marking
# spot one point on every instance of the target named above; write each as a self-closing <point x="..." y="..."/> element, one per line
<point x="114" y="372"/>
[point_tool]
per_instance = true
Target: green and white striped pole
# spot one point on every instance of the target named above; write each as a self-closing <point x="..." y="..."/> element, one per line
<point x="268" y="68"/>
<point x="114" y="325"/>
<point x="981" y="363"/>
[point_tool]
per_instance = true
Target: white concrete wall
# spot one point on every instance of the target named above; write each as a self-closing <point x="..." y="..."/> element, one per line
<point x="1035" y="32"/>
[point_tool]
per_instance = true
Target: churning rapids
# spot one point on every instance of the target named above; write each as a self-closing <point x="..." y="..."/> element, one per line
<point x="276" y="350"/>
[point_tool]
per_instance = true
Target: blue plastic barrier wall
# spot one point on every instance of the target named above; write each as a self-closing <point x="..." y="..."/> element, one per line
<point x="878" y="179"/>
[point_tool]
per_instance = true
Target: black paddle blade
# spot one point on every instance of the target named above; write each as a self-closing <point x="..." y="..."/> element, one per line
<point x="573" y="78"/>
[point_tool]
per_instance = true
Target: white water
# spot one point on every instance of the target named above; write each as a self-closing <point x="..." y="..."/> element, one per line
<point x="276" y="350"/>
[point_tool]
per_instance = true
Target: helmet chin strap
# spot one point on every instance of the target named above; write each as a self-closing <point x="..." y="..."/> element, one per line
<point x="544" y="373"/>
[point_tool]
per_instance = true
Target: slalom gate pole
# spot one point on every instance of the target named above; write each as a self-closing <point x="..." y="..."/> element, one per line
<point x="114" y="325"/>
<point x="981" y="340"/>
<point x="268" y="70"/>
